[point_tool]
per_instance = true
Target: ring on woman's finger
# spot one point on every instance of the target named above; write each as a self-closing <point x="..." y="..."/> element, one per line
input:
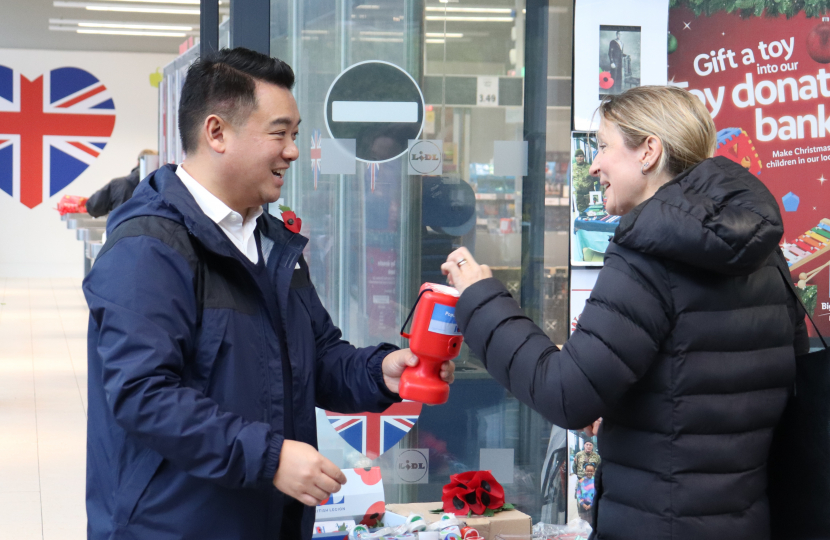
<point x="461" y="262"/>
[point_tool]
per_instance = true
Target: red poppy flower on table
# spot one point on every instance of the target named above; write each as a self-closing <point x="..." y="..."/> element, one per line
<point x="473" y="492"/>
<point x="605" y="80"/>
<point x="462" y="501"/>
<point x="463" y="479"/>
<point x="489" y="491"/>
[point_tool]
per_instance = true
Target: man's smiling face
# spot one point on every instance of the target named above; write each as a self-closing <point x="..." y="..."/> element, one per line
<point x="262" y="148"/>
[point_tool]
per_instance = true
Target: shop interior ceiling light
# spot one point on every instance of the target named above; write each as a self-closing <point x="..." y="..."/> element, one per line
<point x="451" y="18"/>
<point x="136" y="27"/>
<point x="130" y="33"/>
<point x="452" y="9"/>
<point x="186" y="2"/>
<point x="129" y="8"/>
<point x="75" y="24"/>
<point x="559" y="10"/>
<point x="379" y="39"/>
<point x="442" y="35"/>
<point x="377" y="33"/>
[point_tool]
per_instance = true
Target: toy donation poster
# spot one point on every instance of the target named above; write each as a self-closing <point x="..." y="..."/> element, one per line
<point x="765" y="81"/>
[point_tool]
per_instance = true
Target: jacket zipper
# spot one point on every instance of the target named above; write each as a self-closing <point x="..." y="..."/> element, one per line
<point x="264" y="347"/>
<point x="265" y="320"/>
<point x="268" y="404"/>
<point x="274" y="281"/>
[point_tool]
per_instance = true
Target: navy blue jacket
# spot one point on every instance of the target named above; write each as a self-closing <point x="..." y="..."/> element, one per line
<point x="686" y="348"/>
<point x="186" y="398"/>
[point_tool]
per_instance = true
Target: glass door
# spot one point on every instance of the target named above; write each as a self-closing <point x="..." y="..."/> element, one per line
<point x="381" y="229"/>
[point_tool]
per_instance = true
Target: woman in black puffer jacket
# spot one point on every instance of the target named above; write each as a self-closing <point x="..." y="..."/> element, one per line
<point x="686" y="347"/>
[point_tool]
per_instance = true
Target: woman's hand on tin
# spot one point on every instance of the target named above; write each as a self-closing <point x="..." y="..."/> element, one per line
<point x="462" y="270"/>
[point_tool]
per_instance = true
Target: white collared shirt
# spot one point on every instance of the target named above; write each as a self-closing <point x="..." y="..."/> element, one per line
<point x="239" y="230"/>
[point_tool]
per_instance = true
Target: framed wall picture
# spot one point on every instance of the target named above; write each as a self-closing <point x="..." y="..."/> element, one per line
<point x="617" y="46"/>
<point x="619" y="59"/>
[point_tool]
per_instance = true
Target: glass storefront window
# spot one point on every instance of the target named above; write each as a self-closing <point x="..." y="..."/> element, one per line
<point x="170" y="148"/>
<point x="378" y="234"/>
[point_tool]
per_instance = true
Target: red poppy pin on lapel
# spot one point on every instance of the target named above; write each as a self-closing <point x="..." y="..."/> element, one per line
<point x="292" y="222"/>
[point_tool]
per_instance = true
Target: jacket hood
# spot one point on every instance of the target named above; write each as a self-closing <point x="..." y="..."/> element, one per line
<point x="716" y="216"/>
<point x="163" y="194"/>
<point x="150" y="198"/>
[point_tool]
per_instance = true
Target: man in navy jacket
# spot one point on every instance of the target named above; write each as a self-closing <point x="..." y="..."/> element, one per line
<point x="208" y="345"/>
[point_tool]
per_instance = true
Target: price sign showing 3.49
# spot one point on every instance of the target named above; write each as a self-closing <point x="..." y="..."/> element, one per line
<point x="487" y="91"/>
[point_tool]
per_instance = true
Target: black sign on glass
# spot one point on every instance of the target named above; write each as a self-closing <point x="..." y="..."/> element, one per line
<point x="379" y="105"/>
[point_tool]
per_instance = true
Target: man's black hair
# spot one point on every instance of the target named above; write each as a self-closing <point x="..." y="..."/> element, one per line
<point x="224" y="83"/>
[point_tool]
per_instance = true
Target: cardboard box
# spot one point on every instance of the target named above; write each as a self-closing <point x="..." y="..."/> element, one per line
<point x="507" y="522"/>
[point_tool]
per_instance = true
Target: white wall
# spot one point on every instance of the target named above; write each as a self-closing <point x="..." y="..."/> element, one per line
<point x="35" y="242"/>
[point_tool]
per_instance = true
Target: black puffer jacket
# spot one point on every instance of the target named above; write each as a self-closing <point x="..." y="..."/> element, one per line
<point x="114" y="194"/>
<point x="685" y="348"/>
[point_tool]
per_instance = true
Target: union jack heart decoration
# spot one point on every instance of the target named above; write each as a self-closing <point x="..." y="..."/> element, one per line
<point x="372" y="434"/>
<point x="51" y="129"/>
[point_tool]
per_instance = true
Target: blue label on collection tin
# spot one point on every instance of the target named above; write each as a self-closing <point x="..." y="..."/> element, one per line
<point x="443" y="321"/>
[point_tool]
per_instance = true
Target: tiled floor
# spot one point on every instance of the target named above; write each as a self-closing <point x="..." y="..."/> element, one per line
<point x="42" y="409"/>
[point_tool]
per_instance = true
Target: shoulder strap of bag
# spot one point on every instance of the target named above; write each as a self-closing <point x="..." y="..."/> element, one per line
<point x="789" y="281"/>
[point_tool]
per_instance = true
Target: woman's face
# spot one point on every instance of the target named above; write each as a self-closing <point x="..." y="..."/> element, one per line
<point x="619" y="170"/>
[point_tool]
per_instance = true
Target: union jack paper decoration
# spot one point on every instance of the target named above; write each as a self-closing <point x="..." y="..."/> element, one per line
<point x="316" y="155"/>
<point x="373" y="173"/>
<point x="372" y="434"/>
<point x="51" y="130"/>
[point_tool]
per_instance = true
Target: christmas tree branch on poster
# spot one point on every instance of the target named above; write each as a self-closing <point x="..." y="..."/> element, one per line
<point x="749" y="8"/>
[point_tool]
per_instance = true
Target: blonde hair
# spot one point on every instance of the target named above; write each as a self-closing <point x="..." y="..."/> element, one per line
<point x="673" y="115"/>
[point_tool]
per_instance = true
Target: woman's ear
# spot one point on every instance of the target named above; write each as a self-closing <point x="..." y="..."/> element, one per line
<point x="651" y="152"/>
